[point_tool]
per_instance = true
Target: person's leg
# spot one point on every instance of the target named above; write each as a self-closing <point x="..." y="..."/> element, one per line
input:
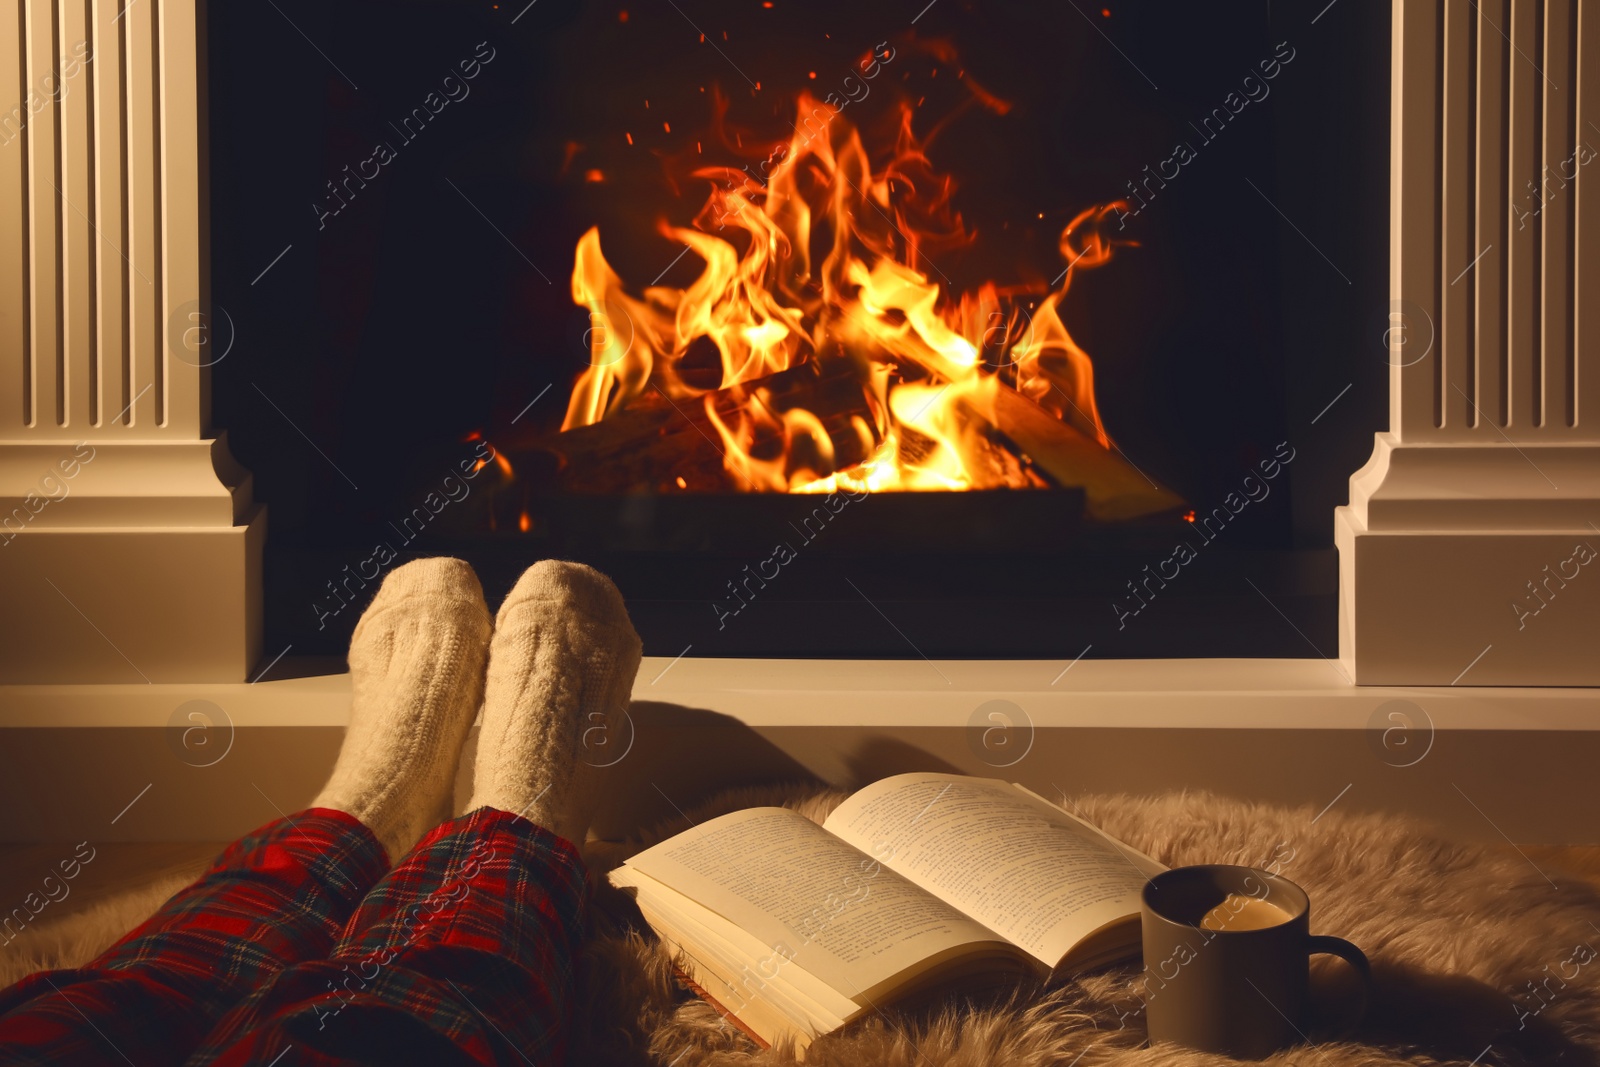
<point x="284" y="893"/>
<point x="464" y="953"/>
<point x="274" y="897"/>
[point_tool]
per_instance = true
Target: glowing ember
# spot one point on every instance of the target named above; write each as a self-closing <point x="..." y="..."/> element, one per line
<point x="824" y="265"/>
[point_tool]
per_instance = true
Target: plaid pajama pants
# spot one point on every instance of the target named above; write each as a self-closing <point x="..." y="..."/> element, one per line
<point x="299" y="947"/>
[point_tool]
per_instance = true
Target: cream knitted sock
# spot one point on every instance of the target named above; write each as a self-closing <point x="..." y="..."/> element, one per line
<point x="416" y="674"/>
<point x="561" y="667"/>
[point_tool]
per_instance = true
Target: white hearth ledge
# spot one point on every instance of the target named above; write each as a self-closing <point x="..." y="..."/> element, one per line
<point x="1217" y="694"/>
<point x="1482" y="762"/>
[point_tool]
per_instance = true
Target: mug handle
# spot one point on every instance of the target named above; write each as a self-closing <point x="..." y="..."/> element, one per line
<point x="1321" y="944"/>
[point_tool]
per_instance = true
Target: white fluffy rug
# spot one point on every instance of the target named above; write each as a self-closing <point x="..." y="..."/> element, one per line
<point x="1460" y="938"/>
<point x="1474" y="954"/>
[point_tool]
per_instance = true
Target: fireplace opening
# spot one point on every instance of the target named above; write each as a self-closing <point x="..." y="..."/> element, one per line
<point x="979" y="330"/>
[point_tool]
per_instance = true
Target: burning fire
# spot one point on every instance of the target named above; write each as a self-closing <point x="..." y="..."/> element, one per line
<point x="826" y="265"/>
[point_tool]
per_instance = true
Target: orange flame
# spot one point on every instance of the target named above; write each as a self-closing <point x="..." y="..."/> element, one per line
<point x="827" y="263"/>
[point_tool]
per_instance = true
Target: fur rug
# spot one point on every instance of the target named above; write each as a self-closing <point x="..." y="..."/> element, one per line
<point x="1475" y="955"/>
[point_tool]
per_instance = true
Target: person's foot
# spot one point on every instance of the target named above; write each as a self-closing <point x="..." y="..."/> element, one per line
<point x="561" y="667"/>
<point x="416" y="675"/>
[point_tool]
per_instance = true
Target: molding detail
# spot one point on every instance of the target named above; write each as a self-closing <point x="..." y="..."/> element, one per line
<point x="129" y="541"/>
<point x="1464" y="549"/>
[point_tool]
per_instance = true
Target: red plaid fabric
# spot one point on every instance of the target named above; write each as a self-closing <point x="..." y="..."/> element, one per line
<point x="274" y="897"/>
<point x="462" y="954"/>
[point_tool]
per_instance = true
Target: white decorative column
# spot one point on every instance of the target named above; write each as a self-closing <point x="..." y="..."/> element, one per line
<point x="130" y="548"/>
<point x="1470" y="550"/>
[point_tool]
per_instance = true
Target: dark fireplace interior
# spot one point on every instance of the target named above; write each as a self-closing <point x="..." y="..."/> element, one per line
<point x="415" y="180"/>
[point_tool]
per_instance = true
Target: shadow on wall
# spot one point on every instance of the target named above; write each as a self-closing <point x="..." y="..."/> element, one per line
<point x="678" y="757"/>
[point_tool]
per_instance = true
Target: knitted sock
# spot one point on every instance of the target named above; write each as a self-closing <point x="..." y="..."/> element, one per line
<point x="561" y="667"/>
<point x="416" y="674"/>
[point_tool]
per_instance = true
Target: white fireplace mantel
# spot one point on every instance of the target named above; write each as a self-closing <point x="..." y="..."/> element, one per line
<point x="1468" y="552"/>
<point x="130" y="546"/>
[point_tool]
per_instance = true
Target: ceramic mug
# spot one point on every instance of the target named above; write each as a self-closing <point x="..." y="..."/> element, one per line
<point x="1240" y="992"/>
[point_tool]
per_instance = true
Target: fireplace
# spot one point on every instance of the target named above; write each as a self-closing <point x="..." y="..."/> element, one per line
<point x="392" y="341"/>
<point x="1022" y="352"/>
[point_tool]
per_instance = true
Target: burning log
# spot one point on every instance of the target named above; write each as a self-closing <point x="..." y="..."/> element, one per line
<point x="658" y="440"/>
<point x="1115" y="488"/>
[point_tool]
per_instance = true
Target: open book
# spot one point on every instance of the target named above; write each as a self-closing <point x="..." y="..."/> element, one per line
<point x="915" y="884"/>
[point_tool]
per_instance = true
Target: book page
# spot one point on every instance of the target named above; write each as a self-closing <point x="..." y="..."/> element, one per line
<point x="1019" y="865"/>
<point x="735" y="968"/>
<point x="814" y="900"/>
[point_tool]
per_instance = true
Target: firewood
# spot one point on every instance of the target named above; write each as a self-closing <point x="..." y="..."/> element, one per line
<point x="658" y="439"/>
<point x="1116" y="490"/>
